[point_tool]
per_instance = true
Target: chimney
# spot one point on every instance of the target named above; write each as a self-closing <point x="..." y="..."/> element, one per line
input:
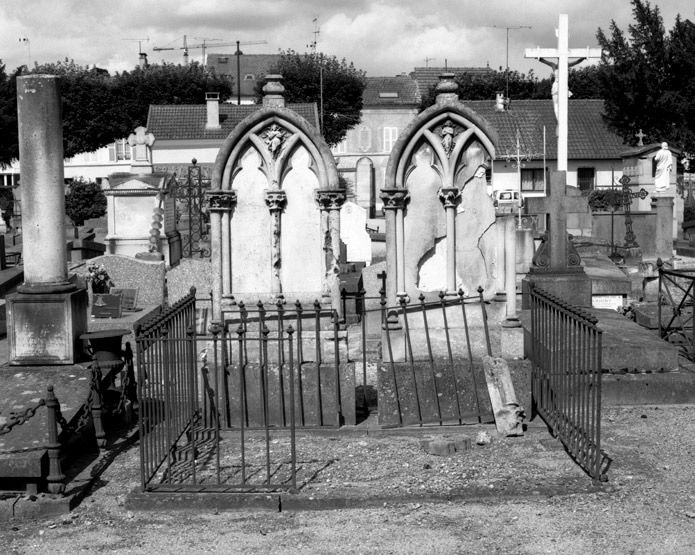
<point x="273" y="91"/>
<point x="212" y="100"/>
<point x="142" y="60"/>
<point x="500" y="102"/>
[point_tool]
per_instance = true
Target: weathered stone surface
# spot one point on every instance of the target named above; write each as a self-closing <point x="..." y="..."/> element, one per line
<point x="191" y="272"/>
<point x="126" y="272"/>
<point x="301" y="241"/>
<point x="509" y="415"/>
<point x="353" y="232"/>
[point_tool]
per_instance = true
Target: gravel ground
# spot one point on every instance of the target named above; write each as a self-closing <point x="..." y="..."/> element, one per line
<point x="648" y="506"/>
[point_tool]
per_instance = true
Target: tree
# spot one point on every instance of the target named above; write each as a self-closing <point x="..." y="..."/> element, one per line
<point x="647" y="78"/>
<point x="343" y="86"/>
<point x="99" y="108"/>
<point x="84" y="200"/>
<point x="9" y="141"/>
<point x="484" y="86"/>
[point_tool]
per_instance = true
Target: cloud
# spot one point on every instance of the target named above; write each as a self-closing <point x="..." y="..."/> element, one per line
<point x="384" y="37"/>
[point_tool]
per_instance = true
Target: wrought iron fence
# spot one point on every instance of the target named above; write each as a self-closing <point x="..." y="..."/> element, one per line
<point x="675" y="308"/>
<point x="566" y="378"/>
<point x="167" y="393"/>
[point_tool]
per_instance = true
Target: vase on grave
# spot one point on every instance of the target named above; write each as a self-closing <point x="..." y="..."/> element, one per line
<point x="100" y="287"/>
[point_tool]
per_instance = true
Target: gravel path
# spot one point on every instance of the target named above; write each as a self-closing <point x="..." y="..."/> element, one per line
<point x="647" y="507"/>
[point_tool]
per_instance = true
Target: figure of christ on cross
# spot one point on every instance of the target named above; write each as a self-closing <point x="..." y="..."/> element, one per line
<point x="560" y="69"/>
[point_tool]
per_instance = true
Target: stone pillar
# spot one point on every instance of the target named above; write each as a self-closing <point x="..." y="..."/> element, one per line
<point x="510" y="266"/>
<point x="276" y="201"/>
<point x="450" y="198"/>
<point x="330" y="201"/>
<point x="42" y="189"/>
<point x="663" y="206"/>
<point x="395" y="201"/>
<point x="222" y="203"/>
<point x="499" y="237"/>
<point x="48" y="314"/>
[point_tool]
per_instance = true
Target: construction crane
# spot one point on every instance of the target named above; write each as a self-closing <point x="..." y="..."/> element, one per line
<point x="205" y="45"/>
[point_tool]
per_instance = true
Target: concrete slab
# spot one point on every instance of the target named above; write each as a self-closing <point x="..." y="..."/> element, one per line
<point x="22" y="451"/>
<point x="626" y="345"/>
<point x="606" y="277"/>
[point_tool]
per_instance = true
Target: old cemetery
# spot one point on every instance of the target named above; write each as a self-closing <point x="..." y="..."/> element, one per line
<point x="222" y="354"/>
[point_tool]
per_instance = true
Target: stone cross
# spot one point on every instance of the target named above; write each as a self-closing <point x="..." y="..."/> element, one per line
<point x="554" y="254"/>
<point x="641" y="137"/>
<point x="562" y="53"/>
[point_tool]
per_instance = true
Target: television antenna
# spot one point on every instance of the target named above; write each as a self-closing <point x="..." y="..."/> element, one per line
<point x="508" y="28"/>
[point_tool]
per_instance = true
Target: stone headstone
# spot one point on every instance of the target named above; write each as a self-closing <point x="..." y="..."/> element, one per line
<point x="353" y="232"/>
<point x="129" y="273"/>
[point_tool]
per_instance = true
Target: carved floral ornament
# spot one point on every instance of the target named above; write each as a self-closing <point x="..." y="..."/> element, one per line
<point x="450" y="196"/>
<point x="221" y="201"/>
<point x="394" y="198"/>
<point x="330" y="199"/>
<point x="276" y="200"/>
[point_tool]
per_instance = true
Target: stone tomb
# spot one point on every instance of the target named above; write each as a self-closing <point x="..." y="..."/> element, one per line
<point x="275" y="210"/>
<point x="137" y="206"/>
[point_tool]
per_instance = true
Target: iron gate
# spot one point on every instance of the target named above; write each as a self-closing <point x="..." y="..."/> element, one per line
<point x="566" y="378"/>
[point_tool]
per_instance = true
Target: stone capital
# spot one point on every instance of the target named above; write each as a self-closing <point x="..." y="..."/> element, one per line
<point x="394" y="198"/>
<point x="330" y="199"/>
<point x="221" y="201"/>
<point x="449" y="196"/>
<point x="276" y="200"/>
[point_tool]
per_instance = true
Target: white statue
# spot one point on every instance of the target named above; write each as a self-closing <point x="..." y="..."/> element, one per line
<point x="662" y="176"/>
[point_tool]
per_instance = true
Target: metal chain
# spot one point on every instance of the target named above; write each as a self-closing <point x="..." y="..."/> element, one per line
<point x="17" y="419"/>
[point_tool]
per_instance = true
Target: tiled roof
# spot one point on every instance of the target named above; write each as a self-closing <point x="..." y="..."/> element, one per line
<point x="588" y="137"/>
<point x="391" y="91"/>
<point x="257" y="65"/>
<point x="187" y="121"/>
<point x="427" y="77"/>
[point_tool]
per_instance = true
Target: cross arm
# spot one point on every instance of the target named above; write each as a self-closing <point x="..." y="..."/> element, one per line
<point x="555" y="53"/>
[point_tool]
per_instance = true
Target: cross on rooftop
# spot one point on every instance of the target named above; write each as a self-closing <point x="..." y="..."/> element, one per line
<point x="641" y="137"/>
<point x="562" y="53"/>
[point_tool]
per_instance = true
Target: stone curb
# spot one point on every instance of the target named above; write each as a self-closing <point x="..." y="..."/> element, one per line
<point x="216" y="502"/>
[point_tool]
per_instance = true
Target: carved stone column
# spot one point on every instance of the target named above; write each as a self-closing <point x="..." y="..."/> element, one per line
<point x="394" y="201"/>
<point x="330" y="201"/>
<point x="221" y="205"/>
<point x="276" y="200"/>
<point x="450" y="198"/>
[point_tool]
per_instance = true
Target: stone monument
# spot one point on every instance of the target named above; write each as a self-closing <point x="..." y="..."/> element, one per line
<point x="275" y="210"/>
<point x="440" y="221"/>
<point x="141" y="208"/>
<point x="48" y="313"/>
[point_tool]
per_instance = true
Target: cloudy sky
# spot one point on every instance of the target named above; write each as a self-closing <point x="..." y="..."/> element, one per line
<point x="383" y="37"/>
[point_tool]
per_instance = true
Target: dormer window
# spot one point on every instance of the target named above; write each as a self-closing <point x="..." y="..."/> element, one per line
<point x="388" y="94"/>
<point x="249" y="77"/>
<point x="223" y="59"/>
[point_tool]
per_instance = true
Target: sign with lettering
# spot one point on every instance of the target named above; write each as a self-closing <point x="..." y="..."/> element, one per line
<point x="611" y="302"/>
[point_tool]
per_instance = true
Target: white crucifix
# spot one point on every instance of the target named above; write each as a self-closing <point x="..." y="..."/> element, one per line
<point x="560" y="68"/>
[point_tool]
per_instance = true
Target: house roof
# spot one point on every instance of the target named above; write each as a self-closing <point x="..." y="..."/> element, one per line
<point x="427" y="77"/>
<point x="187" y="121"/>
<point x="588" y="137"/>
<point x="391" y="91"/>
<point x="256" y="65"/>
